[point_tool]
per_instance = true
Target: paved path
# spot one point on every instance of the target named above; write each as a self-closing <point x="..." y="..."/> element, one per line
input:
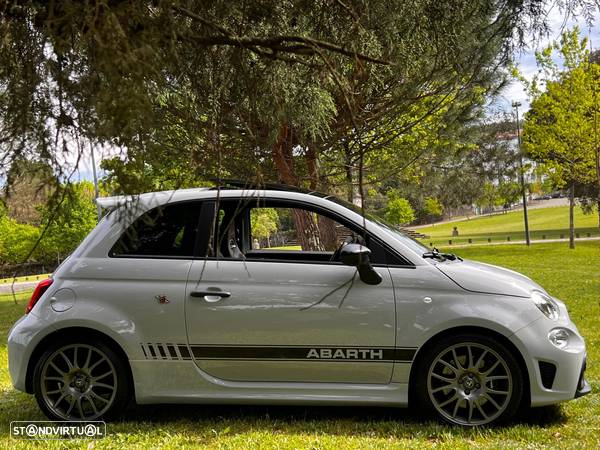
<point x="6" y="288"/>
<point x="536" y="241"/>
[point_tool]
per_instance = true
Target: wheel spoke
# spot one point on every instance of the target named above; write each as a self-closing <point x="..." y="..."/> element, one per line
<point x="96" y="364"/>
<point x="456" y="408"/>
<point x="71" y="405"/>
<point x="481" y="411"/>
<point x="57" y="369"/>
<point x="490" y="399"/>
<point x="456" y="361"/>
<point x="450" y="400"/>
<point x="80" y="409"/>
<point x="56" y="391"/>
<point x="91" y="402"/>
<point x="443" y="388"/>
<point x="75" y="357"/>
<point x="93" y="394"/>
<point x="69" y="363"/>
<point x="449" y="366"/>
<point x="491" y="369"/>
<point x="61" y="379"/>
<point x="86" y="365"/>
<point x="470" y="404"/>
<point x="103" y="385"/>
<point x="110" y="372"/>
<point x="494" y="391"/>
<point x="496" y="377"/>
<point x="470" y="358"/>
<point x="443" y="378"/>
<point x="480" y="359"/>
<point x="60" y="399"/>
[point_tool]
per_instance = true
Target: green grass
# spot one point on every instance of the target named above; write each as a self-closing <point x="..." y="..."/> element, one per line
<point x="548" y="222"/>
<point x="573" y="276"/>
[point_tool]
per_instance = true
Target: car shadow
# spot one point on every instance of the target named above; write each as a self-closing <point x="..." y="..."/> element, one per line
<point x="541" y="417"/>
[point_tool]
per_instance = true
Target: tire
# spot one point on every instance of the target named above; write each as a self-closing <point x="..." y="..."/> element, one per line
<point x="80" y="381"/>
<point x="469" y="380"/>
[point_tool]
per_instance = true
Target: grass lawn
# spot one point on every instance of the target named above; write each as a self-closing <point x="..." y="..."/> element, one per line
<point x="549" y="222"/>
<point x="573" y="276"/>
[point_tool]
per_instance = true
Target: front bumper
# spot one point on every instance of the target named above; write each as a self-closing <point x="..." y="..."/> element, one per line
<point x="555" y="375"/>
<point x="583" y="387"/>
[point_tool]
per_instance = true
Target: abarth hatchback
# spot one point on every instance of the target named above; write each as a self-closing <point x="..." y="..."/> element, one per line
<point x="275" y="296"/>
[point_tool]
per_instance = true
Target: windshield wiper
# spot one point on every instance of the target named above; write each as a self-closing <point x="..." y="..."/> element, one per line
<point x="436" y="254"/>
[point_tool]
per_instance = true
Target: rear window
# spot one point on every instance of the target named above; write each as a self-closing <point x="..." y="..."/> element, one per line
<point x="168" y="230"/>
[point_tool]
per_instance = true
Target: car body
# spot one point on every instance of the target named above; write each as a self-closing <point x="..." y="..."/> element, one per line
<point x="205" y="316"/>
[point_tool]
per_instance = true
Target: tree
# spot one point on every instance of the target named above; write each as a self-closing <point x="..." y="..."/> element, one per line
<point x="559" y="129"/>
<point x="252" y="89"/>
<point x="264" y="222"/>
<point x="65" y="226"/>
<point x="433" y="208"/>
<point x="399" y="211"/>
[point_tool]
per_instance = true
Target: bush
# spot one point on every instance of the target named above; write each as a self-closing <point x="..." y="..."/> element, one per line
<point x="399" y="211"/>
<point x="432" y="208"/>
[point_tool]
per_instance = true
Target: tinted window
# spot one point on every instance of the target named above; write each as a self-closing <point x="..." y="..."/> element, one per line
<point x="169" y="230"/>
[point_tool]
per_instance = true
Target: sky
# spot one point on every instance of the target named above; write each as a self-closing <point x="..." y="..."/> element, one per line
<point x="525" y="59"/>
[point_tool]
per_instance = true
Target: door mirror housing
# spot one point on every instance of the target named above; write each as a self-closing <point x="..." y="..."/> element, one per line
<point x="359" y="256"/>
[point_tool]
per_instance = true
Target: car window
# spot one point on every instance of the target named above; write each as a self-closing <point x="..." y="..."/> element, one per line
<point x="169" y="230"/>
<point x="296" y="230"/>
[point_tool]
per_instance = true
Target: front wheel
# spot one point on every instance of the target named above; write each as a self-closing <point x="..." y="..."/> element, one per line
<point x="470" y="380"/>
<point x="81" y="381"/>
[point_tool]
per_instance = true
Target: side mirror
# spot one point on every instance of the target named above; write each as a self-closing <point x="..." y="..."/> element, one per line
<point x="359" y="256"/>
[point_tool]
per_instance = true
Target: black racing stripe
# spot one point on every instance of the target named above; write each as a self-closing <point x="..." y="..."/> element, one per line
<point x="404" y="354"/>
<point x="346" y="354"/>
<point x="171" y="349"/>
<point x="184" y="352"/>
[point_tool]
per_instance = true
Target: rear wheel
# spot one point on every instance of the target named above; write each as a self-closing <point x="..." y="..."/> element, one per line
<point x="470" y="380"/>
<point x="81" y="381"/>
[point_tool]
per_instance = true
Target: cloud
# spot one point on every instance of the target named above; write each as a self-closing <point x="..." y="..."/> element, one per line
<point x="525" y="59"/>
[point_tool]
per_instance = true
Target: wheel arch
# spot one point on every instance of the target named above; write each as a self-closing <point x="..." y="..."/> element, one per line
<point x="79" y="334"/>
<point x="422" y="351"/>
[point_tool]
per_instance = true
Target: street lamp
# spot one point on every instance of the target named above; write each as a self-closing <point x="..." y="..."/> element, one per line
<point x="521" y="171"/>
<point x="96" y="193"/>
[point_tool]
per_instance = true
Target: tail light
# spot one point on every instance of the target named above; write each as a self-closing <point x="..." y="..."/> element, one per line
<point x="41" y="287"/>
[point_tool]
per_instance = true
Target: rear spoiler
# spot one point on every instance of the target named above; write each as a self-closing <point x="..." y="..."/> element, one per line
<point x="117" y="200"/>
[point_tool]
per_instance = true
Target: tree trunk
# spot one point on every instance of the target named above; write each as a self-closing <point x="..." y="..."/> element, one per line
<point x="571" y="219"/>
<point x="304" y="221"/>
<point x="348" y="168"/>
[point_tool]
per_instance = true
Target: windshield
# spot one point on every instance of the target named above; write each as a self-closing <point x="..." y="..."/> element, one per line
<point x="410" y="242"/>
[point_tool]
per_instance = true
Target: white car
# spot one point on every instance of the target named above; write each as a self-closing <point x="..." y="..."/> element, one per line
<point x="281" y="297"/>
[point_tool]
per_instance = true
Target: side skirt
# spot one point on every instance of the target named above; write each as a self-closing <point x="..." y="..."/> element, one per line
<point x="182" y="382"/>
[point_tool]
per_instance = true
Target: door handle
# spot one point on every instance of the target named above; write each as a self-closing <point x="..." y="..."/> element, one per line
<point x="211" y="296"/>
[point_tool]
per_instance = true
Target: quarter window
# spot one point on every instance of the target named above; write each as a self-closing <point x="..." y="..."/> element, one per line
<point x="169" y="230"/>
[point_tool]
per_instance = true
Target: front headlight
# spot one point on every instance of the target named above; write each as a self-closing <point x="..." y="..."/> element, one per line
<point x="545" y="304"/>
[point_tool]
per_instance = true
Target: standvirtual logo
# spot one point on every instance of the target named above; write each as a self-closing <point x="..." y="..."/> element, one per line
<point x="49" y="429"/>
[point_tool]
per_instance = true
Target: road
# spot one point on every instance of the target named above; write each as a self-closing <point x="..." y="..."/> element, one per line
<point x="21" y="286"/>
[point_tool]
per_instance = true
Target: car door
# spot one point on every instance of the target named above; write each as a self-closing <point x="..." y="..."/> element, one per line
<point x="286" y="312"/>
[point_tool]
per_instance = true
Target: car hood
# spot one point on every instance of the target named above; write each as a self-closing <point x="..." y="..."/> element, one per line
<point x="488" y="279"/>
